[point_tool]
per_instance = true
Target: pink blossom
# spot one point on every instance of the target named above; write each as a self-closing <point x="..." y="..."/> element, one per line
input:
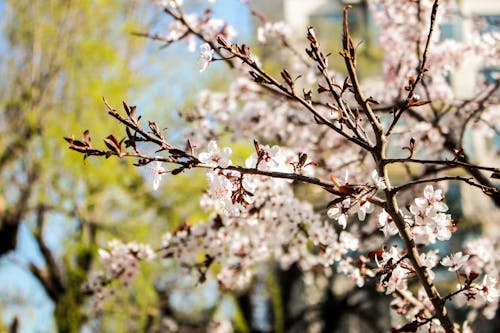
<point x="216" y="157"/>
<point x="339" y="212"/>
<point x="455" y="261"/>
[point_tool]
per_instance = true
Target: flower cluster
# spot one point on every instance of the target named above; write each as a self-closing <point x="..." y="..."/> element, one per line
<point x="210" y="28"/>
<point x="257" y="218"/>
<point x="121" y="262"/>
<point x="483" y="255"/>
<point x="272" y="30"/>
<point x="429" y="221"/>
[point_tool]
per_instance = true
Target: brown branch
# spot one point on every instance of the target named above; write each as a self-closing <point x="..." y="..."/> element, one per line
<point x="317" y="55"/>
<point x="349" y="55"/>
<point x="279" y="92"/>
<point x="52" y="275"/>
<point x="12" y="216"/>
<point x="392" y="206"/>
<point x="291" y="93"/>
<point x="492" y="192"/>
<point x="298" y="177"/>
<point x="413" y="254"/>
<point x="407" y="295"/>
<point x="134" y="125"/>
<point x="451" y="164"/>
<point x="254" y="171"/>
<point x="14" y="326"/>
<point x="477" y="112"/>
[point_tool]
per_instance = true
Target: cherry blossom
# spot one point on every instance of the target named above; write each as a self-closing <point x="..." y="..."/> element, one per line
<point x="489" y="289"/>
<point x="206" y="56"/>
<point x="339" y="212"/>
<point x="386" y="223"/>
<point x="216" y="157"/>
<point x="272" y="30"/>
<point x="363" y="207"/>
<point x="171" y="3"/>
<point x="121" y="262"/>
<point x="429" y="260"/>
<point x="455" y="261"/>
<point x="378" y="182"/>
<point x="157" y="171"/>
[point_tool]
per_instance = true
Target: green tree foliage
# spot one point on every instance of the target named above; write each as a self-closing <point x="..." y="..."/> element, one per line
<point x="61" y="57"/>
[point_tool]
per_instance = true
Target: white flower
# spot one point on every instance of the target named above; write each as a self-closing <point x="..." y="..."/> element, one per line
<point x="429" y="260"/>
<point x="364" y="207"/>
<point x="432" y="326"/>
<point x="206" y="56"/>
<point x="386" y="223"/>
<point x="339" y="212"/>
<point x="271" y="30"/>
<point x="122" y="260"/>
<point x="272" y="159"/>
<point x="216" y="157"/>
<point x="442" y="226"/>
<point x="348" y="241"/>
<point x="455" y="261"/>
<point x="488" y="287"/>
<point x="176" y="30"/>
<point x="431" y="204"/>
<point x="378" y="182"/>
<point x="176" y="3"/>
<point x="397" y="279"/>
<point x="391" y="255"/>
<point x="157" y="172"/>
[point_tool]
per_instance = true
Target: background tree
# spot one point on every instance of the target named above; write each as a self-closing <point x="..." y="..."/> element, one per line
<point x="61" y="56"/>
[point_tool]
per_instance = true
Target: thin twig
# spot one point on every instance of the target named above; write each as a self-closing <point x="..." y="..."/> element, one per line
<point x="451" y="164"/>
<point x="490" y="191"/>
<point x="421" y="70"/>
<point x="349" y="55"/>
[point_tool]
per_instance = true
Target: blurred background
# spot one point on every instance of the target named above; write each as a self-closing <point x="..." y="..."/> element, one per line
<point x="58" y="58"/>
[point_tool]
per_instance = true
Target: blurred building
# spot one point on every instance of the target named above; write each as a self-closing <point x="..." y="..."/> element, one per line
<point x="483" y="15"/>
<point x="322" y="14"/>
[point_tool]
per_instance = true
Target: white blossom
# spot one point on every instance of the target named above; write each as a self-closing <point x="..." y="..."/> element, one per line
<point x="455" y="261"/>
<point x="206" y="56"/>
<point x="216" y="157"/>
<point x="157" y="171"/>
<point x="339" y="212"/>
<point x="272" y="30"/>
<point x="378" y="182"/>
